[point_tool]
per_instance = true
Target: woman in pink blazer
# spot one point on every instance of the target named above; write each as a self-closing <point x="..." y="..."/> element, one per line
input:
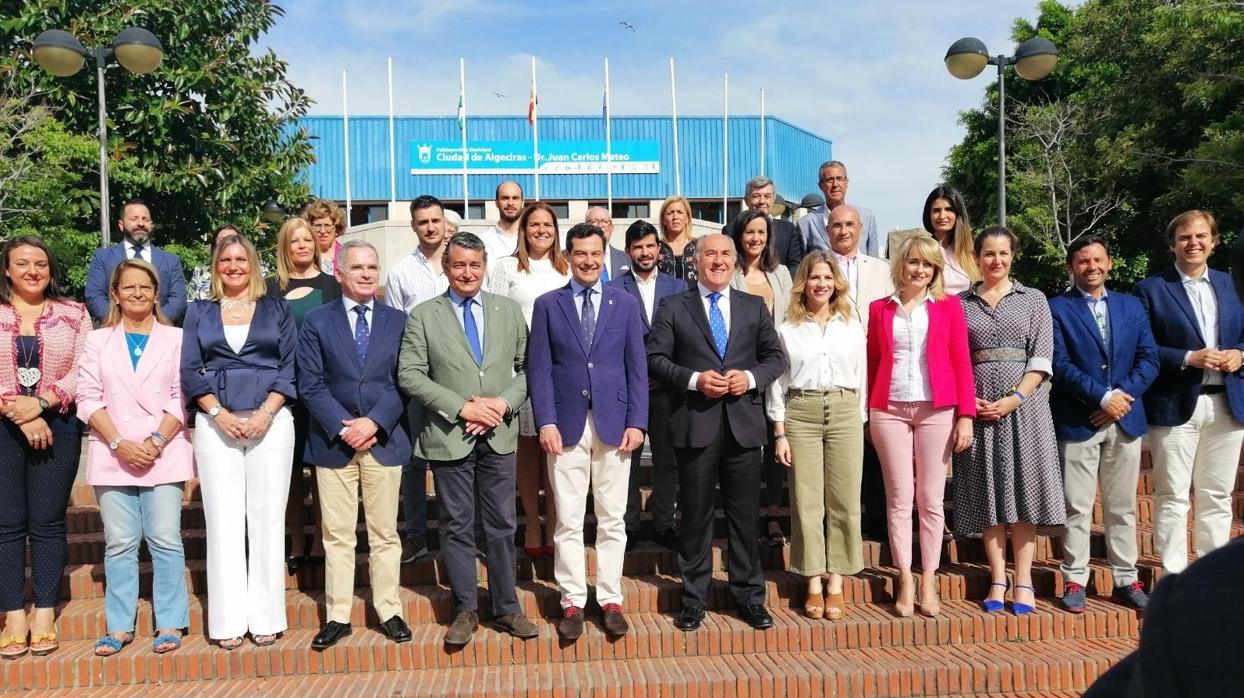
<point x="922" y="400"/>
<point x="138" y="456"/>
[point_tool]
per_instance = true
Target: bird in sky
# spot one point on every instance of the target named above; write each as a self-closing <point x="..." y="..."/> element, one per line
<point x="627" y="24"/>
<point x="498" y="94"/>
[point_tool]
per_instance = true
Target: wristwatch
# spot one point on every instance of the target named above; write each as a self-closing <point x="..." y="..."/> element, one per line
<point x="115" y="443"/>
<point x="214" y="411"/>
<point x="43" y="404"/>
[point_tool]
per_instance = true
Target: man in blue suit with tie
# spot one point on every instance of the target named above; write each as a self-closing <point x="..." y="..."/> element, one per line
<point x="648" y="286"/>
<point x="136" y="226"/>
<point x="587" y="374"/>
<point x="1104" y="360"/>
<point x="1196" y="406"/>
<point x="359" y="436"/>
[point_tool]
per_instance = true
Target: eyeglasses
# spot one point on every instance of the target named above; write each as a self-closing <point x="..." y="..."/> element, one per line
<point x="323" y="226"/>
<point x="834" y="180"/>
<point x="130" y="290"/>
<point x="600" y="221"/>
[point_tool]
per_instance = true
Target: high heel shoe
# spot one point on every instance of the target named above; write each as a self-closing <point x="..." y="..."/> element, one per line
<point x="905" y="610"/>
<point x="993" y="606"/>
<point x="1023" y="609"/>
<point x="931" y="606"/>
<point x="814" y="604"/>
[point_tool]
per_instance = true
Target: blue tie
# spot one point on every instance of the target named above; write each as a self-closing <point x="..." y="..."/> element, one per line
<point x="472" y="332"/>
<point x="717" y="323"/>
<point x="361" y="334"/>
<point x="604" y="272"/>
<point x="588" y="319"/>
<point x="138" y="251"/>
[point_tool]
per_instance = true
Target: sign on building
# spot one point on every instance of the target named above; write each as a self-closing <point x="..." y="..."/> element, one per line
<point x="516" y="157"/>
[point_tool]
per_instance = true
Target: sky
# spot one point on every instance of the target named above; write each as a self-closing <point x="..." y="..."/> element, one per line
<point x="867" y="75"/>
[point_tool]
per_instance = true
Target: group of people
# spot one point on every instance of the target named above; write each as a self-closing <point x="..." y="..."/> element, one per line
<point x="523" y="359"/>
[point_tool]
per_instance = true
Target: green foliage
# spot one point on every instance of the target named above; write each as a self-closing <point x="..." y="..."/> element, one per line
<point x="205" y="139"/>
<point x="1160" y="90"/>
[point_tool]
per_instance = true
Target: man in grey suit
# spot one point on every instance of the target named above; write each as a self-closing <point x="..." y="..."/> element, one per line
<point x="617" y="262"/>
<point x="463" y="358"/>
<point x="833" y="182"/>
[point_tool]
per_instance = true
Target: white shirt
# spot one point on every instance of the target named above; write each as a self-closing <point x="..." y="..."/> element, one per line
<point x="352" y="317"/>
<point x="235" y="336"/>
<point x="524" y="287"/>
<point x="1205" y="307"/>
<point x="499" y="243"/>
<point x="145" y="255"/>
<point x="648" y="293"/>
<point x="909" y="381"/>
<point x="723" y="304"/>
<point x="414" y="280"/>
<point x="820" y="359"/>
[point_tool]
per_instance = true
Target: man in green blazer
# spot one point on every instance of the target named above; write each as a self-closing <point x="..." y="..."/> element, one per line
<point x="463" y="358"/>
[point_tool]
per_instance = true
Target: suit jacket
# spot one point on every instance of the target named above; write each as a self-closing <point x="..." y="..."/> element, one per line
<point x="1085" y="369"/>
<point x="619" y="262"/>
<point x="240" y="380"/>
<point x="873" y="282"/>
<point x="812" y="229"/>
<point x="1172" y="397"/>
<point x="565" y="378"/>
<point x="779" y="281"/>
<point x="787" y="240"/>
<point x="136" y="397"/>
<point x="335" y="385"/>
<point x="681" y="343"/>
<point x="666" y="286"/>
<point x="946" y="355"/>
<point x="437" y="369"/>
<point x="172" y="281"/>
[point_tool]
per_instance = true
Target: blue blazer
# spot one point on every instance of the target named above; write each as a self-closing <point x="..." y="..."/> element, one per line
<point x="666" y="286"/>
<point x="241" y="381"/>
<point x="172" y="282"/>
<point x="1085" y="368"/>
<point x="566" y="378"/>
<point x="1172" y="397"/>
<point x="334" y="385"/>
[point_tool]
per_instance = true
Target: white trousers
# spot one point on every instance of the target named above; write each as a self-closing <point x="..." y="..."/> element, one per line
<point x="245" y="487"/>
<point x="1203" y="452"/>
<point x="607" y="471"/>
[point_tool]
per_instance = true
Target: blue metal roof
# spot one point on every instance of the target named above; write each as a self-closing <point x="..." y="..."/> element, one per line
<point x="791" y="156"/>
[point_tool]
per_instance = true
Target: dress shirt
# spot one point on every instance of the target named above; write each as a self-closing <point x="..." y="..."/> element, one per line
<point x="648" y="293"/>
<point x="1101" y="315"/>
<point x="414" y="280"/>
<point x="577" y="290"/>
<point x="849" y="265"/>
<point x="723" y="304"/>
<point x="498" y="243"/>
<point x="352" y="317"/>
<point x="910" y="378"/>
<point x="145" y="247"/>
<point x="477" y="311"/>
<point x="1205" y="306"/>
<point x="820" y="359"/>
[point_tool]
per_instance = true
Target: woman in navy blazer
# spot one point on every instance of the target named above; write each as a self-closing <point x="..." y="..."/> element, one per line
<point x="237" y="369"/>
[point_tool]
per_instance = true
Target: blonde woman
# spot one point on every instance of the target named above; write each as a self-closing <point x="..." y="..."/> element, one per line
<point x="817" y="408"/>
<point x="677" y="252"/>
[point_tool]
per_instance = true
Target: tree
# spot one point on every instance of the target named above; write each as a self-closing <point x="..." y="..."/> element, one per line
<point x="208" y="138"/>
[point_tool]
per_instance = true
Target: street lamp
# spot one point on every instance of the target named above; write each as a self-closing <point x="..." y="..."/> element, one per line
<point x="1033" y="60"/>
<point x="61" y="54"/>
<point x="273" y="212"/>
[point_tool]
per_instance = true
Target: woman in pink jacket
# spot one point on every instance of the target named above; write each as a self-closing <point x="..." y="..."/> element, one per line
<point x="138" y="456"/>
<point x="922" y="401"/>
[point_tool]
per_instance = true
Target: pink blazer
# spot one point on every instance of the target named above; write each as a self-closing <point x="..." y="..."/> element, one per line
<point x="62" y="330"/>
<point x="950" y="366"/>
<point x="136" y="399"/>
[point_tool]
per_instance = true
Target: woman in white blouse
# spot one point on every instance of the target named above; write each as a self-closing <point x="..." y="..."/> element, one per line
<point x="537" y="267"/>
<point x="817" y="408"/>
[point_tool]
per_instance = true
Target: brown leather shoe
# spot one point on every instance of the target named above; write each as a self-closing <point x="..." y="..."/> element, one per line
<point x="571" y="625"/>
<point x="613" y="621"/>
<point x="463" y="628"/>
<point x="517" y="625"/>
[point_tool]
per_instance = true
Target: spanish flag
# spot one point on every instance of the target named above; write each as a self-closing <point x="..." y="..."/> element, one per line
<point x="532" y="102"/>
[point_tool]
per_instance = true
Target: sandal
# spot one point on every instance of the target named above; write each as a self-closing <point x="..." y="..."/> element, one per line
<point x="166" y="642"/>
<point x="835" y="606"/>
<point x="814" y="605"/>
<point x="109" y="645"/>
<point x="263" y="640"/>
<point x="230" y="644"/>
<point x="12" y="647"/>
<point x="993" y="605"/>
<point x="43" y="644"/>
<point x="1020" y="609"/>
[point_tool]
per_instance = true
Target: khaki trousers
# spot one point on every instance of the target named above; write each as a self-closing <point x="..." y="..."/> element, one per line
<point x="1112" y="458"/>
<point x="827" y="460"/>
<point x="339" y="506"/>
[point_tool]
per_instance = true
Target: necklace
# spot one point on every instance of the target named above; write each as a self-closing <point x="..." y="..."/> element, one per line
<point x="28" y="376"/>
<point x="137" y="342"/>
<point x="236" y="308"/>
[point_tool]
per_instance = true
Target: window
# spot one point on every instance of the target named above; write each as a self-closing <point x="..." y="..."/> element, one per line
<point x="377" y="213"/>
<point x="476" y="209"/>
<point x="707" y="211"/>
<point x="560" y="208"/>
<point x="630" y="209"/>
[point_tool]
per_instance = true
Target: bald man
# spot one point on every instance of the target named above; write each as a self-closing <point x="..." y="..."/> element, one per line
<point x="502" y="239"/>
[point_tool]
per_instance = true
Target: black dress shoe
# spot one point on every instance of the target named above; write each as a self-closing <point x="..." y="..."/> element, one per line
<point x="756" y="616"/>
<point x="414" y="548"/>
<point x="330" y="634"/>
<point x="396" y="629"/>
<point x="668" y="539"/>
<point x="690" y="619"/>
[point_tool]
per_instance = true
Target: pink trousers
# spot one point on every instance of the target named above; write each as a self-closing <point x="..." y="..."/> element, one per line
<point x="913" y="443"/>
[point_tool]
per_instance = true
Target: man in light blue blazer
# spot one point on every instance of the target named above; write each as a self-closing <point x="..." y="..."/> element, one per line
<point x="358" y="438"/>
<point x="587" y="375"/>
<point x="135" y="225"/>
<point x="1196" y="405"/>
<point x="1104" y="360"/>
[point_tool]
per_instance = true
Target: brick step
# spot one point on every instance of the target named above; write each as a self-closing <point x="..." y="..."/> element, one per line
<point x="516" y="667"/>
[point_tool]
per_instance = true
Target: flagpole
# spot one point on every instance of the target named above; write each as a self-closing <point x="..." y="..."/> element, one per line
<point x="725" y="149"/>
<point x="608" y="145"/>
<point x="392" y="143"/>
<point x="535" y="127"/>
<point x="762" y="132"/>
<point x="674" y="113"/>
<point x="345" y="125"/>
<point x="462" y="126"/>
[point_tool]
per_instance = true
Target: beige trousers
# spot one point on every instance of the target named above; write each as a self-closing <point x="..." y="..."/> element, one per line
<point x="1112" y="458"/>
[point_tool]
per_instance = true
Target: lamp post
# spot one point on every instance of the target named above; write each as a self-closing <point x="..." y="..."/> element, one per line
<point x="61" y="54"/>
<point x="1033" y="60"/>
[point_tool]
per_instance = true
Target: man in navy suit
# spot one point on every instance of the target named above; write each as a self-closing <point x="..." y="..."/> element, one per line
<point x="587" y="374"/>
<point x="358" y="436"/>
<point x="1104" y="361"/>
<point x="617" y="262"/>
<point x="718" y="351"/>
<point x="1196" y="406"/>
<point x="648" y="286"/>
<point x="136" y="226"/>
<point x="759" y="194"/>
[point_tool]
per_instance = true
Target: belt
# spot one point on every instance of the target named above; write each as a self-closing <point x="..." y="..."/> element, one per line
<point x="800" y="392"/>
<point x="984" y="356"/>
<point x="1213" y="389"/>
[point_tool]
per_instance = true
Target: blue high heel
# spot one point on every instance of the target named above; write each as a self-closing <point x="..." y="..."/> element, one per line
<point x="992" y="606"/>
<point x="1023" y="609"/>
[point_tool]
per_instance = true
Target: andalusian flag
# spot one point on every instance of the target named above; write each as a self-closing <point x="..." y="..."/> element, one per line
<point x="461" y="112"/>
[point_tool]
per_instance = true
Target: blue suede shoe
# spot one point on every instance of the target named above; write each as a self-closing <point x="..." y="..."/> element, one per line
<point x="1074" y="597"/>
<point x="992" y="606"/>
<point x="1133" y="596"/>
